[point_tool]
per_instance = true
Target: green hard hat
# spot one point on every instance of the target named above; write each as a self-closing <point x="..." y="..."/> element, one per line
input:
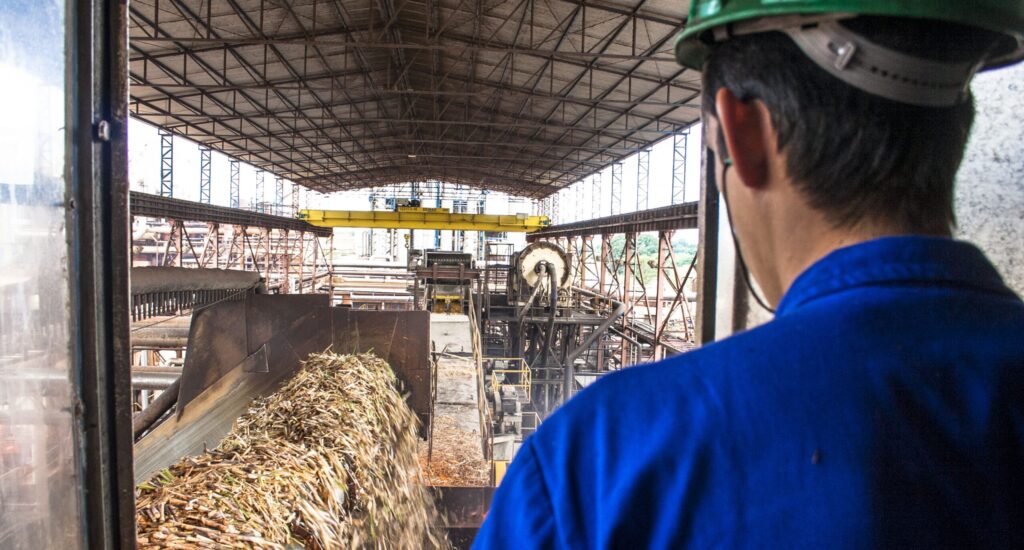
<point x="1001" y="16"/>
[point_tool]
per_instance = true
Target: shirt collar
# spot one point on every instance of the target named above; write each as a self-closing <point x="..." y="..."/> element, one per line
<point x="894" y="260"/>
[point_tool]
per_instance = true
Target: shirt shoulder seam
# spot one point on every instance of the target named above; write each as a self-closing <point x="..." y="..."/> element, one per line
<point x="965" y="286"/>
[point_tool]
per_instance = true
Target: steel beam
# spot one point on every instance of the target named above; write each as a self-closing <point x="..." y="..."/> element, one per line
<point x="143" y="204"/>
<point x="428" y="218"/>
<point x="666" y="218"/>
<point x="453" y="49"/>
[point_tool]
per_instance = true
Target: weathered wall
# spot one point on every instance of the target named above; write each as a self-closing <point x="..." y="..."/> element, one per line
<point x="990" y="184"/>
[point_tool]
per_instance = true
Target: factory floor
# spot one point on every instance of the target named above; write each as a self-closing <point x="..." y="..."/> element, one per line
<point x="454" y="451"/>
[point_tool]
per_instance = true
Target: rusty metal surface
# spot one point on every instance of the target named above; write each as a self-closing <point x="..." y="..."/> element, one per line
<point x="223" y="336"/>
<point x="526" y="108"/>
<point x="145" y="305"/>
<point x="402" y="338"/>
<point x="666" y="218"/>
<point x="166" y="278"/>
<point x="218" y="343"/>
<point x="463" y="507"/>
<point x="153" y="206"/>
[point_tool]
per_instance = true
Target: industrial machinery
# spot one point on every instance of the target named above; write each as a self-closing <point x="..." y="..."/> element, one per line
<point x="416" y="217"/>
<point x="540" y="273"/>
<point x="238" y="350"/>
<point x="442" y="279"/>
<point x="545" y="341"/>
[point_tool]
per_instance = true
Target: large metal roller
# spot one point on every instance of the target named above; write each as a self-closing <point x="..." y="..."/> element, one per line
<point x="526" y="263"/>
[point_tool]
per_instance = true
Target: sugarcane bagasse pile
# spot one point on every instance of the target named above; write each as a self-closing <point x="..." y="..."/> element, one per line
<point x="328" y="461"/>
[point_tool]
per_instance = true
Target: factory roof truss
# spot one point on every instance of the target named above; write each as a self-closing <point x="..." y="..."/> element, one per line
<point x="518" y="96"/>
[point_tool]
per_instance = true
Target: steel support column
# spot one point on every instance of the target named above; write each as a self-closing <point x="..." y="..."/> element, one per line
<point x="257" y="201"/>
<point x="329" y="259"/>
<point x="99" y="245"/>
<point x="369" y="244"/>
<point x="234" y="187"/>
<point x="459" y="206"/>
<point x="660" y="313"/>
<point x="679" y="167"/>
<point x="278" y="196"/>
<point x="707" y="252"/>
<point x="643" y="172"/>
<point x="628" y="248"/>
<point x="579" y="202"/>
<point x="287" y="261"/>
<point x="437" y="204"/>
<point x="481" y="243"/>
<point x="204" y="174"/>
<point x="166" y="164"/>
<point x="616" y="202"/>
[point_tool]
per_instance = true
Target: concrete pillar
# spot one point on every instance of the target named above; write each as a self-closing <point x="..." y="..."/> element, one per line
<point x="990" y="184"/>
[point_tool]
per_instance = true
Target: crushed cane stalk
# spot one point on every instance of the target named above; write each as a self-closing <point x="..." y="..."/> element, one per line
<point x="328" y="461"/>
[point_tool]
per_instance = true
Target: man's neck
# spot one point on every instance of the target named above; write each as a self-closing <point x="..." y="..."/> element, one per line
<point x="801" y="245"/>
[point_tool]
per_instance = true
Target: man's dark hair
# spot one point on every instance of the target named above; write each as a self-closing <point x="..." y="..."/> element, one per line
<point x="857" y="156"/>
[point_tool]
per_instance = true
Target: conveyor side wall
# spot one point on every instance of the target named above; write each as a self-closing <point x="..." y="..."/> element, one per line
<point x="238" y="351"/>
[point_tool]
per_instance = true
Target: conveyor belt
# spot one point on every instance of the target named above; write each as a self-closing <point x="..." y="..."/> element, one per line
<point x="667" y="218"/>
<point x="153" y="206"/>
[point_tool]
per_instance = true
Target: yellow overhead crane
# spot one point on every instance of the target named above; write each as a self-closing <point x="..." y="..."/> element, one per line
<point x="410" y="217"/>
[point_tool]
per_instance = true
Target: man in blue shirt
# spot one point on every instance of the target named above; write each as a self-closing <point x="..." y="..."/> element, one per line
<point x="884" y="404"/>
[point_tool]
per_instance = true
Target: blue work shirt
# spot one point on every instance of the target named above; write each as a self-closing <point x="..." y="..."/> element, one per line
<point x="883" y="406"/>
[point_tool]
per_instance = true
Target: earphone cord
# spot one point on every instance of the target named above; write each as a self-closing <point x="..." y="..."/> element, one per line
<point x="736" y="243"/>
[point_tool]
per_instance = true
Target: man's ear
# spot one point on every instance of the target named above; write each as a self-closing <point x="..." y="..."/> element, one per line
<point x="747" y="132"/>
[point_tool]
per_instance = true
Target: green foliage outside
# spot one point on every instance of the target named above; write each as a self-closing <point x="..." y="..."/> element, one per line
<point x="647" y="250"/>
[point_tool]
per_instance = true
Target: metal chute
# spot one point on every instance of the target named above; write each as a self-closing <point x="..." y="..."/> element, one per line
<point x="240" y="350"/>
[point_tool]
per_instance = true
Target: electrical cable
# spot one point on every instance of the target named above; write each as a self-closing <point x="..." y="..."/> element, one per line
<point x="727" y="163"/>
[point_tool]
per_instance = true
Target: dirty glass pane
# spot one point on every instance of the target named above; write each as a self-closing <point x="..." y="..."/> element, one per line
<point x="39" y="485"/>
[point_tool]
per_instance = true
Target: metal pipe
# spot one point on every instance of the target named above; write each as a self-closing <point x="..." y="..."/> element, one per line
<point x="529" y="303"/>
<point x="145" y="419"/>
<point x="153" y="380"/>
<point x="620" y="309"/>
<point x="161" y="329"/>
<point x="553" y="306"/>
<point x="158" y="342"/>
<point x="158" y="369"/>
<point x="633" y="341"/>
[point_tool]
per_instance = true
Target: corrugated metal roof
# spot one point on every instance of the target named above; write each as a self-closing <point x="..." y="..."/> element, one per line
<point x="519" y="96"/>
